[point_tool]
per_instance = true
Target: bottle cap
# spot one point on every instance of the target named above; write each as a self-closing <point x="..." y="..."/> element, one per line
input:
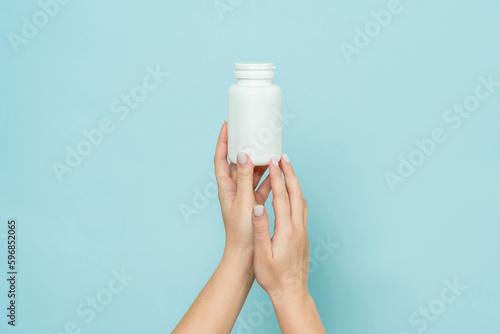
<point x="254" y="70"/>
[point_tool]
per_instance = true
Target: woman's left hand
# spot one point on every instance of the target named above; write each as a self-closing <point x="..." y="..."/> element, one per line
<point x="237" y="191"/>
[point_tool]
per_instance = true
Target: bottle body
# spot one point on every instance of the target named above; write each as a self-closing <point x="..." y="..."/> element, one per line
<point x="254" y="117"/>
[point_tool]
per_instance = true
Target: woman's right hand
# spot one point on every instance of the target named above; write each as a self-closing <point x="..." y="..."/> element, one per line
<point x="281" y="263"/>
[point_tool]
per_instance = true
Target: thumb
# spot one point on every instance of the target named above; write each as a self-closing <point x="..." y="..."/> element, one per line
<point x="244" y="181"/>
<point x="261" y="234"/>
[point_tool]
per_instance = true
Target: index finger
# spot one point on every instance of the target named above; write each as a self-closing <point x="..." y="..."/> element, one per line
<point x="294" y="190"/>
<point x="281" y="202"/>
<point x="220" y="158"/>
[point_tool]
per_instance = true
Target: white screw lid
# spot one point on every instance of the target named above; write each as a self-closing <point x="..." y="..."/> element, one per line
<point x="254" y="66"/>
<point x="253" y="70"/>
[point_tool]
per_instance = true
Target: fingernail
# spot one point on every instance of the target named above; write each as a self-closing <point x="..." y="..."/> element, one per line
<point x="258" y="210"/>
<point x="242" y="158"/>
<point x="275" y="161"/>
<point x="285" y="156"/>
<point x="223" y="125"/>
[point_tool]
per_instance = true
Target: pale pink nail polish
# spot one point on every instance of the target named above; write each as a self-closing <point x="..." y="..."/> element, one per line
<point x="285" y="156"/>
<point x="242" y="158"/>
<point x="258" y="210"/>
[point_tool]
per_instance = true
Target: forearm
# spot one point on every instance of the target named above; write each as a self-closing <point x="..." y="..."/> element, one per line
<point x="217" y="306"/>
<point x="297" y="314"/>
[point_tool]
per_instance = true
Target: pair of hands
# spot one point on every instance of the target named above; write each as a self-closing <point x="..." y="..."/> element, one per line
<point x="281" y="263"/>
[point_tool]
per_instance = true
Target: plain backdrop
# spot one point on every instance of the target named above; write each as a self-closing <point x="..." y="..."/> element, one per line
<point x="350" y="121"/>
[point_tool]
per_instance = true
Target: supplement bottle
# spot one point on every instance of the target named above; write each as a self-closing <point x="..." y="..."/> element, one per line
<point x="254" y="113"/>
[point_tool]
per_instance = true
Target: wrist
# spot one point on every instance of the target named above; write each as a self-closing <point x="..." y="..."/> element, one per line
<point x="294" y="305"/>
<point x="240" y="258"/>
<point x="285" y="298"/>
<point x="297" y="313"/>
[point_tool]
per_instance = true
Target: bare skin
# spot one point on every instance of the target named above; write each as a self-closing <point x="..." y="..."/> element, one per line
<point x="217" y="306"/>
<point x="280" y="263"/>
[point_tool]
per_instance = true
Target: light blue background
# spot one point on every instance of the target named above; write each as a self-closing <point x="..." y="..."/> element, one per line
<point x="120" y="207"/>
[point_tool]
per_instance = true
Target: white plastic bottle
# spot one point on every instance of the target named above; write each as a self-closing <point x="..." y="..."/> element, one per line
<point x="254" y="113"/>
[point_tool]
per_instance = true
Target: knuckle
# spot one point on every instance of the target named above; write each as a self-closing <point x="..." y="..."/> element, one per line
<point x="299" y="226"/>
<point x="278" y="200"/>
<point x="281" y="195"/>
<point x="241" y="178"/>
<point x="294" y="187"/>
<point x="290" y="235"/>
<point x="260" y="229"/>
<point x="265" y="187"/>
<point x="243" y="174"/>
